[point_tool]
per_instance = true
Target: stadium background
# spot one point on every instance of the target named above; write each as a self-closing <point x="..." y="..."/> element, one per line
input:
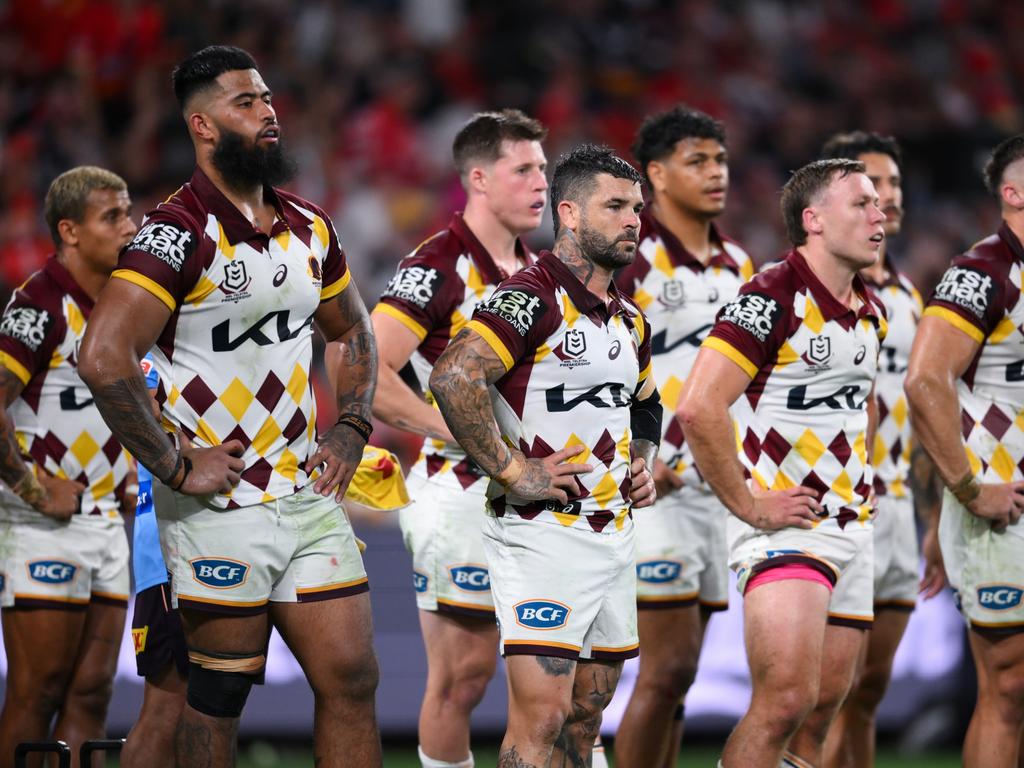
<point x="370" y="94"/>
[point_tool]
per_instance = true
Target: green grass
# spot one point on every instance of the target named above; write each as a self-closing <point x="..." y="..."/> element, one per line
<point x="262" y="755"/>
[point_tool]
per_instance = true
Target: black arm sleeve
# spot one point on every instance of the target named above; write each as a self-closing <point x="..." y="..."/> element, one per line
<point x="645" y="418"/>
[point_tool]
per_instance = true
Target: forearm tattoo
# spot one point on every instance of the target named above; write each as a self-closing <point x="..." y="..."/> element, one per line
<point x="459" y="385"/>
<point x="126" y="406"/>
<point x="12" y="466"/>
<point x="357" y="378"/>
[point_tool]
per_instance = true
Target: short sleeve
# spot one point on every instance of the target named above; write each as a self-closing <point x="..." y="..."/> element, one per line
<point x="161" y="258"/>
<point x="968" y="297"/>
<point x="749" y="330"/>
<point x="420" y="295"/>
<point x="514" y="322"/>
<point x="643" y="351"/>
<point x="28" y="335"/>
<point x="335" y="273"/>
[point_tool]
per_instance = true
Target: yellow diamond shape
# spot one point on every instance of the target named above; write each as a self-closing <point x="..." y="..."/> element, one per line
<point x="569" y="311"/>
<point x="1004" y="329"/>
<point x="75" y="319"/>
<point x="623" y="446"/>
<point x="104" y="486"/>
<point x="973" y="460"/>
<point x="287" y="465"/>
<point x="1019" y="420"/>
<point x="860" y="448"/>
<point x="810" y="447"/>
<point x="781" y="482"/>
<point x="297" y="384"/>
<point x="1002" y="463"/>
<point x="572" y="442"/>
<point x="205" y="433"/>
<point x="320" y="230"/>
<point x="642" y="298"/>
<point x="266" y="437"/>
<point x="899" y="412"/>
<point x="475" y="282"/>
<point x="605" y="491"/>
<point x="223" y="244"/>
<point x="458" y="320"/>
<point x="237" y="398"/>
<point x="203" y="288"/>
<point x="84" y="448"/>
<point x="283" y="239"/>
<point x="786" y="355"/>
<point x="173" y="395"/>
<point x="813" y="318"/>
<point x="661" y="260"/>
<point x="565" y="519"/>
<point x="542" y="351"/>
<point x="880" y="448"/>
<point x="620" y="518"/>
<point x="57" y="359"/>
<point x="843" y="487"/>
<point x="670" y="391"/>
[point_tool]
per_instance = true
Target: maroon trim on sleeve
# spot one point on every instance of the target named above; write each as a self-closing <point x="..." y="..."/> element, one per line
<point x="33" y="324"/>
<point x="524" y="311"/>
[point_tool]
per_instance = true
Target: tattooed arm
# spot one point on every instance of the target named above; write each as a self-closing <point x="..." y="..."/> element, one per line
<point x="459" y="383"/>
<point x="123" y="326"/>
<point x="396" y="403"/>
<point x="927" y="493"/>
<point x="345" y="320"/>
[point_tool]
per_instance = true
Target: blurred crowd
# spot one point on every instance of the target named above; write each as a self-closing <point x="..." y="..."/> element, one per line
<point x="371" y="92"/>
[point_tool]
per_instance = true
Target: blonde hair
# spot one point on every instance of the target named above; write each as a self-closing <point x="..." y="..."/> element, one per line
<point x="68" y="195"/>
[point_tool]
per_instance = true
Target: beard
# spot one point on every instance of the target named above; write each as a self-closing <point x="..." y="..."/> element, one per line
<point x="247" y="166"/>
<point x="605" y="253"/>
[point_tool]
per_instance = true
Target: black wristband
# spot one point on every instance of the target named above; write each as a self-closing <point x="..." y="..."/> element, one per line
<point x="188" y="468"/>
<point x="358" y="423"/>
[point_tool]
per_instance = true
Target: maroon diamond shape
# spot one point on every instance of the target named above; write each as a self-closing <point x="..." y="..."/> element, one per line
<point x="674" y="434"/>
<point x="238" y="434"/>
<point x="296" y="426"/>
<point x="883" y="410"/>
<point x="434" y="464"/>
<point x="258" y="474"/>
<point x="751" y="446"/>
<point x="270" y="392"/>
<point x="966" y="424"/>
<point x="776" y="446"/>
<point x="498" y="505"/>
<point x="813" y="481"/>
<point x="840" y="448"/>
<point x="605" y="449"/>
<point x="599" y="520"/>
<point x="845" y="516"/>
<point x="464" y="473"/>
<point x="896" y="450"/>
<point x="996" y="422"/>
<point x="112" y="449"/>
<point x="199" y="396"/>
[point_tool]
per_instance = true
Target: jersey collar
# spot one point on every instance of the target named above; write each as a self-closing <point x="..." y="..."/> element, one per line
<point x="489" y="270"/>
<point x="236" y="227"/>
<point x="678" y="255"/>
<point x="60" y="275"/>
<point x="585" y="301"/>
<point x="831" y="308"/>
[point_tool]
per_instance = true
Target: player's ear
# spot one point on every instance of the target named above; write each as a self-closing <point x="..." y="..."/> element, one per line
<point x="1012" y="195"/>
<point x="656" y="175"/>
<point x="68" y="231"/>
<point x="569" y="214"/>
<point x="200" y="126"/>
<point x="476" y="179"/>
<point x="811" y="220"/>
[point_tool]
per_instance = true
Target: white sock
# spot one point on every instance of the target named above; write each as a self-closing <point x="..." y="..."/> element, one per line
<point x="598" y="759"/>
<point x="429" y="762"/>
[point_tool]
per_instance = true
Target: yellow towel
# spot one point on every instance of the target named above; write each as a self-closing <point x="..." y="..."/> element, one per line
<point x="378" y="482"/>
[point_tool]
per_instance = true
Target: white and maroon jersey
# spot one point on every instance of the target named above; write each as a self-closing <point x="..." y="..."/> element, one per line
<point x="574" y="365"/>
<point x="681" y="298"/>
<point x="59" y="428"/>
<point x="433" y="294"/>
<point x="981" y="295"/>
<point x="893" y="438"/>
<point x="235" y="355"/>
<point x="812" y="362"/>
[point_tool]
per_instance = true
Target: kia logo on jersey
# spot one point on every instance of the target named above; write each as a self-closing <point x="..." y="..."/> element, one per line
<point x="471" y="578"/>
<point x="658" y="571"/>
<point x="999" y="597"/>
<point x="219" y="572"/>
<point x="419" y="581"/>
<point x="52" y="571"/>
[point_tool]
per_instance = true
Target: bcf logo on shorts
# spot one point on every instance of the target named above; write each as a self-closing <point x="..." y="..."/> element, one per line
<point x="51" y="571"/>
<point x="219" y="573"/>
<point x="471" y="578"/>
<point x="658" y="571"/>
<point x="419" y="581"/>
<point x="999" y="597"/>
<point x="542" y="614"/>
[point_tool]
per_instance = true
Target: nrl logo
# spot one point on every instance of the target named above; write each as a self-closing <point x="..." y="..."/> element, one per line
<point x="818" y="353"/>
<point x="236" y="280"/>
<point x="573" y="345"/>
<point x="672" y="294"/>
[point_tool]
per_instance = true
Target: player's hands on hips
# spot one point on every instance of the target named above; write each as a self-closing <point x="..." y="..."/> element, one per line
<point x="1001" y="503"/>
<point x="553" y="477"/>
<point x="796" y="507"/>
<point x="665" y="479"/>
<point x="934" y="579"/>
<point x="214" y="470"/>
<point x="340" y="450"/>
<point x="643" y="492"/>
<point x="62" y="499"/>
